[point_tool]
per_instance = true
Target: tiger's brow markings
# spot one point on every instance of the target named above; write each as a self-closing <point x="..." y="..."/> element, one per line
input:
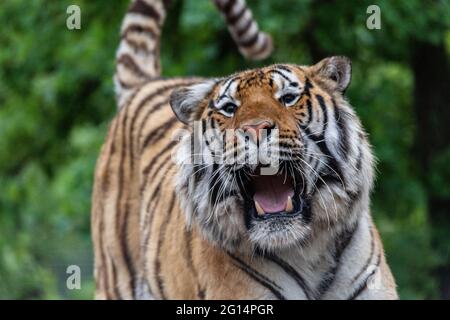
<point x="280" y="74"/>
<point x="283" y="67"/>
<point x="224" y="92"/>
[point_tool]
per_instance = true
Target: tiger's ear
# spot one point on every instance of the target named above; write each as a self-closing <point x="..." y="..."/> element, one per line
<point x="337" y="70"/>
<point x="185" y="102"/>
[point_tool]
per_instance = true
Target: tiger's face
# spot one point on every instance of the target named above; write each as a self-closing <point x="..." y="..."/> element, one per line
<point x="263" y="146"/>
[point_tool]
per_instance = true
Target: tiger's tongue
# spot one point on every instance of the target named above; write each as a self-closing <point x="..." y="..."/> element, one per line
<point x="272" y="192"/>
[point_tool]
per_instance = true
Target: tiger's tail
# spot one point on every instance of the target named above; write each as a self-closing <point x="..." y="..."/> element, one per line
<point x="138" y="55"/>
<point x="252" y="43"/>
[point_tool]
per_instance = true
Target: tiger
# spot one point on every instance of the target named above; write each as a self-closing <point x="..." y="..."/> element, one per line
<point x="254" y="185"/>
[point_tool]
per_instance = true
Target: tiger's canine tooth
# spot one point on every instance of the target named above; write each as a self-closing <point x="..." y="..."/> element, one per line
<point x="289" y="205"/>
<point x="259" y="209"/>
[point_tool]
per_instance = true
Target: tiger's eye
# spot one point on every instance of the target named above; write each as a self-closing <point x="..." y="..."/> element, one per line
<point x="229" y="108"/>
<point x="288" y="98"/>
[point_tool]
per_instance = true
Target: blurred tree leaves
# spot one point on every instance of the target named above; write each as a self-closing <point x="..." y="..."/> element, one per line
<point x="56" y="100"/>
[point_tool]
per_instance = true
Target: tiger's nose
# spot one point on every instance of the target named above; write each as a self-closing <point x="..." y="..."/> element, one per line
<point x="258" y="129"/>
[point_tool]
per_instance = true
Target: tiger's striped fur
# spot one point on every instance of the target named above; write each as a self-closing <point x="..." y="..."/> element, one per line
<point x="138" y="56"/>
<point x="174" y="230"/>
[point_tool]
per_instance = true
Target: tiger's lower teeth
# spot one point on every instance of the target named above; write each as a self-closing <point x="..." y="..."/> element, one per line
<point x="259" y="209"/>
<point x="288" y="209"/>
<point x="289" y="205"/>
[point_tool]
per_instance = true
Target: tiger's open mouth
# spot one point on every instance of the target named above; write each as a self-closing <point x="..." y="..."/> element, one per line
<point x="274" y="197"/>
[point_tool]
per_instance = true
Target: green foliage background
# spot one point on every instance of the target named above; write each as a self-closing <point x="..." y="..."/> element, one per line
<point x="56" y="100"/>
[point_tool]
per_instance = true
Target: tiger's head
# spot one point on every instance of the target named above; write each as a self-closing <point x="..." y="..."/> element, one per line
<point x="274" y="156"/>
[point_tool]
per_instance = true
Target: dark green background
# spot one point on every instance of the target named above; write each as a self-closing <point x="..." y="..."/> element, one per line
<point x="56" y="100"/>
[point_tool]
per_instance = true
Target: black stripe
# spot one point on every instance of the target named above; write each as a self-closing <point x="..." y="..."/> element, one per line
<point x="124" y="85"/>
<point x="360" y="156"/>
<point x="130" y="99"/>
<point x="258" y="277"/>
<point x="363" y="284"/>
<point x="130" y="64"/>
<point x="229" y="83"/>
<point x="156" y="192"/>
<point x="148" y="168"/>
<point x="342" y="242"/>
<point x="322" y="105"/>
<point x="283" y="70"/>
<point x="281" y="74"/>
<point x="126" y="248"/>
<point x="149" y="217"/>
<point x="138" y="46"/>
<point x="102" y="267"/>
<point x="226" y="9"/>
<point x="112" y="135"/>
<point x="282" y="67"/>
<point x="123" y="220"/>
<point x="292" y="273"/>
<point x="369" y="258"/>
<point x="342" y="129"/>
<point x="145" y="9"/>
<point x="243" y="30"/>
<point x="115" y="284"/>
<point x="151" y="111"/>
<point x="214" y="185"/>
<point x="143" y="103"/>
<point x="263" y="47"/>
<point x="138" y="29"/>
<point x="162" y="234"/>
<point x="304" y="125"/>
<point x="232" y="19"/>
<point x="335" y="174"/>
<point x="120" y="218"/>
<point x="190" y="263"/>
<point x="158" y="132"/>
<point x="307" y="88"/>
